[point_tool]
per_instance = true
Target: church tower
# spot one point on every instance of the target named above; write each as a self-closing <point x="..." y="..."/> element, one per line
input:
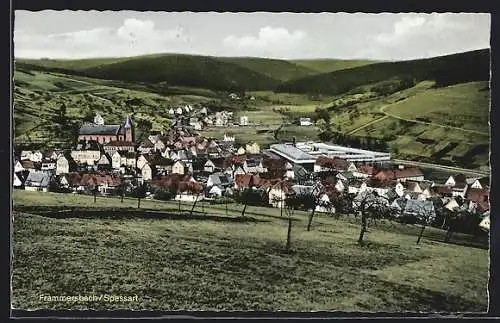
<point x="129" y="130"/>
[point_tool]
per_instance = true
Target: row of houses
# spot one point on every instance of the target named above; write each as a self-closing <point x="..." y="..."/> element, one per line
<point x="210" y="168"/>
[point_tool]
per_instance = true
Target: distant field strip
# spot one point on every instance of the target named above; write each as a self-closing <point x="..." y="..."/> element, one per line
<point x="460" y="170"/>
<point x="368" y="124"/>
<point x="382" y="109"/>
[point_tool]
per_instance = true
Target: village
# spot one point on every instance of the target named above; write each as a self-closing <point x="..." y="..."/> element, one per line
<point x="185" y="166"/>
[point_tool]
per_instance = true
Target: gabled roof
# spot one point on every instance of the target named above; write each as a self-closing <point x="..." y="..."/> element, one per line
<point x="28" y="164"/>
<point x="221" y="163"/>
<point x="104" y="160"/>
<point x="381" y="184"/>
<point x="332" y="163"/>
<point x="38" y="178"/>
<point x="93" y="129"/>
<point x="247" y="180"/>
<point x="252" y="163"/>
<point x="441" y="189"/>
<point x="90" y="180"/>
<point x="356" y="183"/>
<point x="460" y="178"/>
<point x="408" y="172"/>
<point x="128" y="154"/>
<point x="400" y="202"/>
<point x="128" y="122"/>
<point x="479" y="196"/>
<point x="220" y="179"/>
<point x="411" y="185"/>
<point x="238" y="159"/>
<point x="303" y="189"/>
<point x="147" y="144"/>
<point x="484" y="181"/>
<point x="369" y="170"/>
<point x="119" y="143"/>
<point x="421" y="209"/>
<point x="346" y="175"/>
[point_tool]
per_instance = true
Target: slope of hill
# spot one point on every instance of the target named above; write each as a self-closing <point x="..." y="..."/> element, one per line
<point x="170" y="70"/>
<point x="331" y="65"/>
<point x="445" y="70"/>
<point x="218" y="73"/>
<point x="275" y="68"/>
<point x="69" y="64"/>
<point x="447" y="125"/>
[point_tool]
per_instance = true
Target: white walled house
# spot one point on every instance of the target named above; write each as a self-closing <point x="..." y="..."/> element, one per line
<point x="215" y="191"/>
<point x="399" y="189"/>
<point x="89" y="157"/>
<point x="141" y="161"/>
<point x="209" y="166"/>
<point x="339" y="186"/>
<point x="305" y="122"/>
<point x="452" y="205"/>
<point x="459" y="190"/>
<point x="228" y="137"/>
<point x="48" y="165"/>
<point x="240" y="151"/>
<point x="16" y="181"/>
<point x="37" y="181"/>
<point x="252" y="149"/>
<point x="147" y="172"/>
<point x="324" y="204"/>
<point x="243" y="121"/>
<point x="179" y="167"/>
<point x="159" y="145"/>
<point x="277" y="195"/>
<point x="481" y="183"/>
<point x="116" y="160"/>
<point x="26" y="155"/>
<point x="18" y="167"/>
<point x="62" y="165"/>
<point x="36" y="156"/>
<point x="356" y="187"/>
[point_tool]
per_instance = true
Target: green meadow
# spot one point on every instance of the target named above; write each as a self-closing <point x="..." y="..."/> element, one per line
<point x="213" y="260"/>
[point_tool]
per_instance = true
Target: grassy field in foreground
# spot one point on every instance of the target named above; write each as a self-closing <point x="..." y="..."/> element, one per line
<point x="218" y="262"/>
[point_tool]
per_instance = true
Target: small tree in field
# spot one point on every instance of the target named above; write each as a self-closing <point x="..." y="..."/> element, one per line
<point x="369" y="205"/>
<point x="95" y="191"/>
<point x="424" y="213"/>
<point x="120" y="190"/>
<point x="292" y="202"/>
<point x="139" y="193"/>
<point x="194" y="189"/>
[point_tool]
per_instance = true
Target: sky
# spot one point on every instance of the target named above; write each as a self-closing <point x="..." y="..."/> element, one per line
<point x="386" y="36"/>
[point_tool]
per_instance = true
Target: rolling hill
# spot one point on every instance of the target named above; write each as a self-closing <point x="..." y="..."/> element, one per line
<point x="331" y="65"/>
<point x="406" y="104"/>
<point x="444" y="70"/>
<point x="216" y="73"/>
<point x="171" y="70"/>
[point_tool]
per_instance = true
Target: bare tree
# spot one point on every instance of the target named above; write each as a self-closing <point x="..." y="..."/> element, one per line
<point x="292" y="202"/>
<point x="95" y="191"/>
<point x="425" y="214"/>
<point x="367" y="205"/>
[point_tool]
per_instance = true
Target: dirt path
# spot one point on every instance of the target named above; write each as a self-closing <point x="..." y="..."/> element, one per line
<point x="368" y="124"/>
<point x="382" y="109"/>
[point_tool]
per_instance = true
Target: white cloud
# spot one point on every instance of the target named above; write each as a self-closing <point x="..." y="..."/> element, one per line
<point x="402" y="28"/>
<point x="133" y="37"/>
<point x="426" y="35"/>
<point x="269" y="40"/>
